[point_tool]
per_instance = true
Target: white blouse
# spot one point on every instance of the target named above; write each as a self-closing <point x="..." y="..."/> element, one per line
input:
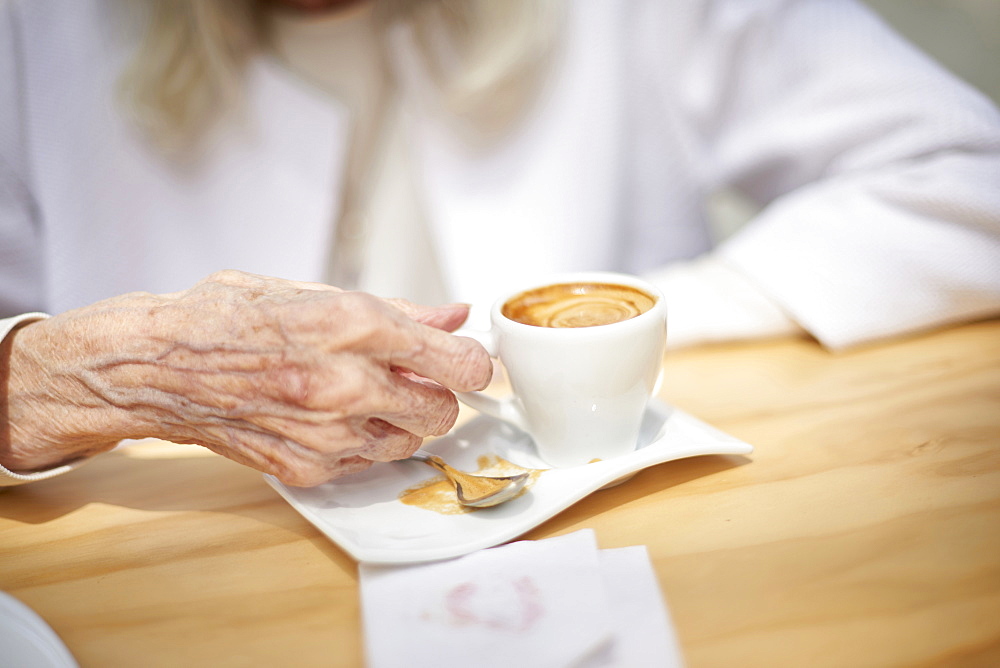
<point x="343" y="56"/>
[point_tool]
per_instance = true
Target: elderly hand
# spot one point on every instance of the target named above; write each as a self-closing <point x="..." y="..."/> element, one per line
<point x="303" y="381"/>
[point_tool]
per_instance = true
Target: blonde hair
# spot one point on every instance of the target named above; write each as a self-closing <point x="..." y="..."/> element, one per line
<point x="483" y="55"/>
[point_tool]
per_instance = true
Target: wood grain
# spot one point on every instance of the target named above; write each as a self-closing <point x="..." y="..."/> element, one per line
<point x="864" y="530"/>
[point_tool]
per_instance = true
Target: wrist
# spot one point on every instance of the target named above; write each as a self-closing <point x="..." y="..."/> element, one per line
<point x="56" y="378"/>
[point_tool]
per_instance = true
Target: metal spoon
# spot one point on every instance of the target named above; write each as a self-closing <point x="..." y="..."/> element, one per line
<point x="476" y="491"/>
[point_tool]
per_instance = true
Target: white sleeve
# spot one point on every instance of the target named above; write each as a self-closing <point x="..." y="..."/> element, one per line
<point x="877" y="170"/>
<point x="707" y="301"/>
<point x="8" y="478"/>
<point x="21" y="284"/>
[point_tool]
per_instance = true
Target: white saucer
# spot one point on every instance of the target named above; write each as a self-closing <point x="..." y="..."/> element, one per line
<point x="26" y="641"/>
<point x="362" y="513"/>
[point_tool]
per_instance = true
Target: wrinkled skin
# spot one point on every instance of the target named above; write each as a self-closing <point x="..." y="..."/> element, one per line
<point x="300" y="380"/>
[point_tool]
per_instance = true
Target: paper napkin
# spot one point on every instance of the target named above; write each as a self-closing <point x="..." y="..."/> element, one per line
<point x="550" y="603"/>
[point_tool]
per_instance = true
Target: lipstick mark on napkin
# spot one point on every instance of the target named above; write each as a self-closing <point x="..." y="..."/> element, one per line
<point x="503" y="605"/>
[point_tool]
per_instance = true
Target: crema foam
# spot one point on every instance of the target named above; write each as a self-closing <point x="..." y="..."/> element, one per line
<point x="577" y="305"/>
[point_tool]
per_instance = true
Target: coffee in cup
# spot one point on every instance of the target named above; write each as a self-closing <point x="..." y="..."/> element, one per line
<point x="583" y="355"/>
<point x="577" y="305"/>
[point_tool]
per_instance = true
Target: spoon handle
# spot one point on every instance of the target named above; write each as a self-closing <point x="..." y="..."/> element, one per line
<point x="432" y="461"/>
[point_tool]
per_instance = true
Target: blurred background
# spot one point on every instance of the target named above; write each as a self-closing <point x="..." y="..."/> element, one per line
<point x="962" y="35"/>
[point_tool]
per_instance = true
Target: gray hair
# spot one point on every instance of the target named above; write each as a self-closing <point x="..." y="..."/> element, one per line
<point x="188" y="70"/>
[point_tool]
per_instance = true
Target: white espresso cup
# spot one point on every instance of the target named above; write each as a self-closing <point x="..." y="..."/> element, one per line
<point x="580" y="392"/>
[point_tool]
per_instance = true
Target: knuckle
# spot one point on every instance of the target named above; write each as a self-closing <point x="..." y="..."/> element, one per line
<point x="292" y="383"/>
<point x="385" y="325"/>
<point x="298" y="472"/>
<point x="359" y="321"/>
<point x="229" y="287"/>
<point x="226" y="277"/>
<point x="341" y="438"/>
<point x="348" y="466"/>
<point x="361" y="305"/>
<point x="312" y="471"/>
<point x="353" y="392"/>
<point x="411" y="445"/>
<point x="391" y="444"/>
<point x="303" y="477"/>
<point x="407" y="446"/>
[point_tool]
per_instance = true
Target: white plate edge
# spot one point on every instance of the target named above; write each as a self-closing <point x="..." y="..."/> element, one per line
<point x="613" y="470"/>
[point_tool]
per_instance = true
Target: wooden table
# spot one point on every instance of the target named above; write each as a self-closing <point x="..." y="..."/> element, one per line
<point x="865" y="529"/>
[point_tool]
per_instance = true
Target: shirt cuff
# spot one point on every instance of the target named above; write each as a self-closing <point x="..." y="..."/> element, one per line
<point x="7" y="477"/>
<point x="708" y="301"/>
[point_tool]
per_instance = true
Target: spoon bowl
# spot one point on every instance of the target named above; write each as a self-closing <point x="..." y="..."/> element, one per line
<point x="476" y="491"/>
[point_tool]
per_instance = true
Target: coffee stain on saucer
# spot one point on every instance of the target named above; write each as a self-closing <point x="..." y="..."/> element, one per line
<point x="437" y="494"/>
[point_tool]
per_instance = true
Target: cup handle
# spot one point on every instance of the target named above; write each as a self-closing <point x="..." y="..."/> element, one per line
<point x="506" y="409"/>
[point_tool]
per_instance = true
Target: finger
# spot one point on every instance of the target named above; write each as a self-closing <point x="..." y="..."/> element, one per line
<point x="310" y="474"/>
<point x="321" y="411"/>
<point x="388" y="442"/>
<point x="340" y="467"/>
<point x="324" y="436"/>
<point x="287" y="460"/>
<point x="447" y="317"/>
<point x="418" y="406"/>
<point x="456" y="362"/>
<point x="407" y="408"/>
<point x="340" y="397"/>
